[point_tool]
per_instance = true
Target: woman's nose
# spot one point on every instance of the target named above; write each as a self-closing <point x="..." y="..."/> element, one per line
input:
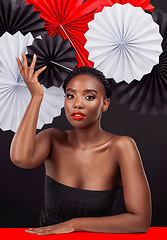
<point x="78" y="103"/>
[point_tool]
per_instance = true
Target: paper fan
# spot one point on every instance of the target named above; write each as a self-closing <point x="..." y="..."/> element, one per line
<point x="57" y="54"/>
<point x="14" y="94"/>
<point x="150" y="94"/>
<point x="124" y="42"/>
<point x="144" y="4"/>
<point x="16" y="16"/>
<point x="69" y="19"/>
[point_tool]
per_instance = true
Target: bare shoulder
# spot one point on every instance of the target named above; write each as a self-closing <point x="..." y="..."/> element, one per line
<point x="52" y="133"/>
<point x="126" y="149"/>
<point x="46" y="139"/>
<point x="122" y="142"/>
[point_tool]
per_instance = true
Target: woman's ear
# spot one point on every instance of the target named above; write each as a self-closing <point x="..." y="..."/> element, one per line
<point x="106" y="104"/>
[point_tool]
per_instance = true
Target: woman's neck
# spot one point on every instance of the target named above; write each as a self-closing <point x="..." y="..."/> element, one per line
<point x="88" y="137"/>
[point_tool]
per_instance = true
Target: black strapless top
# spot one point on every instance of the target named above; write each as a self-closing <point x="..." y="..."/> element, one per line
<point x="63" y="202"/>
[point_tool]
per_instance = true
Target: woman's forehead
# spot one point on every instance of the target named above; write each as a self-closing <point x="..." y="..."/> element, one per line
<point x="83" y="81"/>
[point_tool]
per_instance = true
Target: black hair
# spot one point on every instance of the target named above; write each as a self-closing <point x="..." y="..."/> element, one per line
<point x="93" y="72"/>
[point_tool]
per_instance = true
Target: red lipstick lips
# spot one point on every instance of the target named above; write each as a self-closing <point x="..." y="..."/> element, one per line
<point x="78" y="115"/>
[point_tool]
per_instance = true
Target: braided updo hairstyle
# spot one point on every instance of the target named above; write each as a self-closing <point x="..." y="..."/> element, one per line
<point x="93" y="72"/>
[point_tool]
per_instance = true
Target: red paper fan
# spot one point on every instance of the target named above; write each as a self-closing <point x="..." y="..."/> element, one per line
<point x="70" y="20"/>
<point x="144" y="4"/>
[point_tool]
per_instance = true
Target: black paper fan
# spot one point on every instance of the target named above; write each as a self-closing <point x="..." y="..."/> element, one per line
<point x="57" y="54"/>
<point x="16" y="15"/>
<point x="149" y="95"/>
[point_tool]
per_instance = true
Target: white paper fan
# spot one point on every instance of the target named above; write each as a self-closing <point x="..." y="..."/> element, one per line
<point x="14" y="94"/>
<point x="124" y="42"/>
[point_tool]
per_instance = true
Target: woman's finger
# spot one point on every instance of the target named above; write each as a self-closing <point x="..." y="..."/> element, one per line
<point x="39" y="71"/>
<point x="39" y="230"/>
<point x="31" y="68"/>
<point x="33" y="230"/>
<point x="46" y="232"/>
<point x="25" y="65"/>
<point x="20" y="66"/>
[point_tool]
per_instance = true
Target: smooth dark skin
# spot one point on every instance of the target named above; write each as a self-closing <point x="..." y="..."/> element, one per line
<point x="86" y="157"/>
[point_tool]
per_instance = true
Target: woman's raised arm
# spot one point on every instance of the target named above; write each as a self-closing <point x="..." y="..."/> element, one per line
<point x="27" y="149"/>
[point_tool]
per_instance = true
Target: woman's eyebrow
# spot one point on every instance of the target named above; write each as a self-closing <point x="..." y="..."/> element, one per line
<point x="71" y="89"/>
<point x="90" y="90"/>
<point x="86" y="90"/>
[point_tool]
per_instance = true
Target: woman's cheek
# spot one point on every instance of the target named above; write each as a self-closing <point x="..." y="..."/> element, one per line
<point x="67" y="109"/>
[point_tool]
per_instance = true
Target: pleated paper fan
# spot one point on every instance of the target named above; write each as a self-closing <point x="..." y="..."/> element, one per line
<point x="57" y="54"/>
<point x="70" y="20"/>
<point x="161" y="19"/>
<point x="15" y="99"/>
<point x="14" y="94"/>
<point x="123" y="42"/>
<point x="16" y="15"/>
<point x="11" y="47"/>
<point x="144" y="4"/>
<point x="148" y="96"/>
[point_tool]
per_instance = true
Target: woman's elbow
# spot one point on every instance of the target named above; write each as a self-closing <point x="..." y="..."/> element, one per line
<point x="14" y="159"/>
<point x="144" y="229"/>
<point x="144" y="223"/>
<point x="17" y="162"/>
<point x="21" y="162"/>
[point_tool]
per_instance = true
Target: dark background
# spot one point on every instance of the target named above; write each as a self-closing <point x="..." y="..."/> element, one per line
<point x="22" y="191"/>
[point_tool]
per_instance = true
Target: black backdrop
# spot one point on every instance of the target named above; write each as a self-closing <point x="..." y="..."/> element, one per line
<point x="22" y="191"/>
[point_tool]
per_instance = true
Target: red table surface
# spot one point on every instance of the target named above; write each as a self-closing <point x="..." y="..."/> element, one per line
<point x="20" y="234"/>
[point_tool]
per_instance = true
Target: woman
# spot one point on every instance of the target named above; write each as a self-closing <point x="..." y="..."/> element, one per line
<point x="85" y="166"/>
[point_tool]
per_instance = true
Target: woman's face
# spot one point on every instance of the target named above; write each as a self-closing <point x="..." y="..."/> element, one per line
<point x="85" y="100"/>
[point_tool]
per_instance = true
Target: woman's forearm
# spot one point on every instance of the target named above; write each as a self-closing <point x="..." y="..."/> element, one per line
<point x="23" y="143"/>
<point x="122" y="223"/>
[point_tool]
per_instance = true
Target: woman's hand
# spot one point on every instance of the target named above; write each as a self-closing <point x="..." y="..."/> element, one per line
<point x="31" y="78"/>
<point x="64" y="227"/>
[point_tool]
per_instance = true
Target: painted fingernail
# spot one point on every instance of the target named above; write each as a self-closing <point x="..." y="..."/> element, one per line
<point x="34" y="56"/>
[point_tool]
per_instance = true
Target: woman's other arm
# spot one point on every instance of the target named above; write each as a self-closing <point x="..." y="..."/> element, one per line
<point x="27" y="149"/>
<point x="136" y="195"/>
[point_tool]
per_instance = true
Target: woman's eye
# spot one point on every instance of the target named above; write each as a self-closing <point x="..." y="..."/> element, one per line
<point x="69" y="96"/>
<point x="90" y="97"/>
